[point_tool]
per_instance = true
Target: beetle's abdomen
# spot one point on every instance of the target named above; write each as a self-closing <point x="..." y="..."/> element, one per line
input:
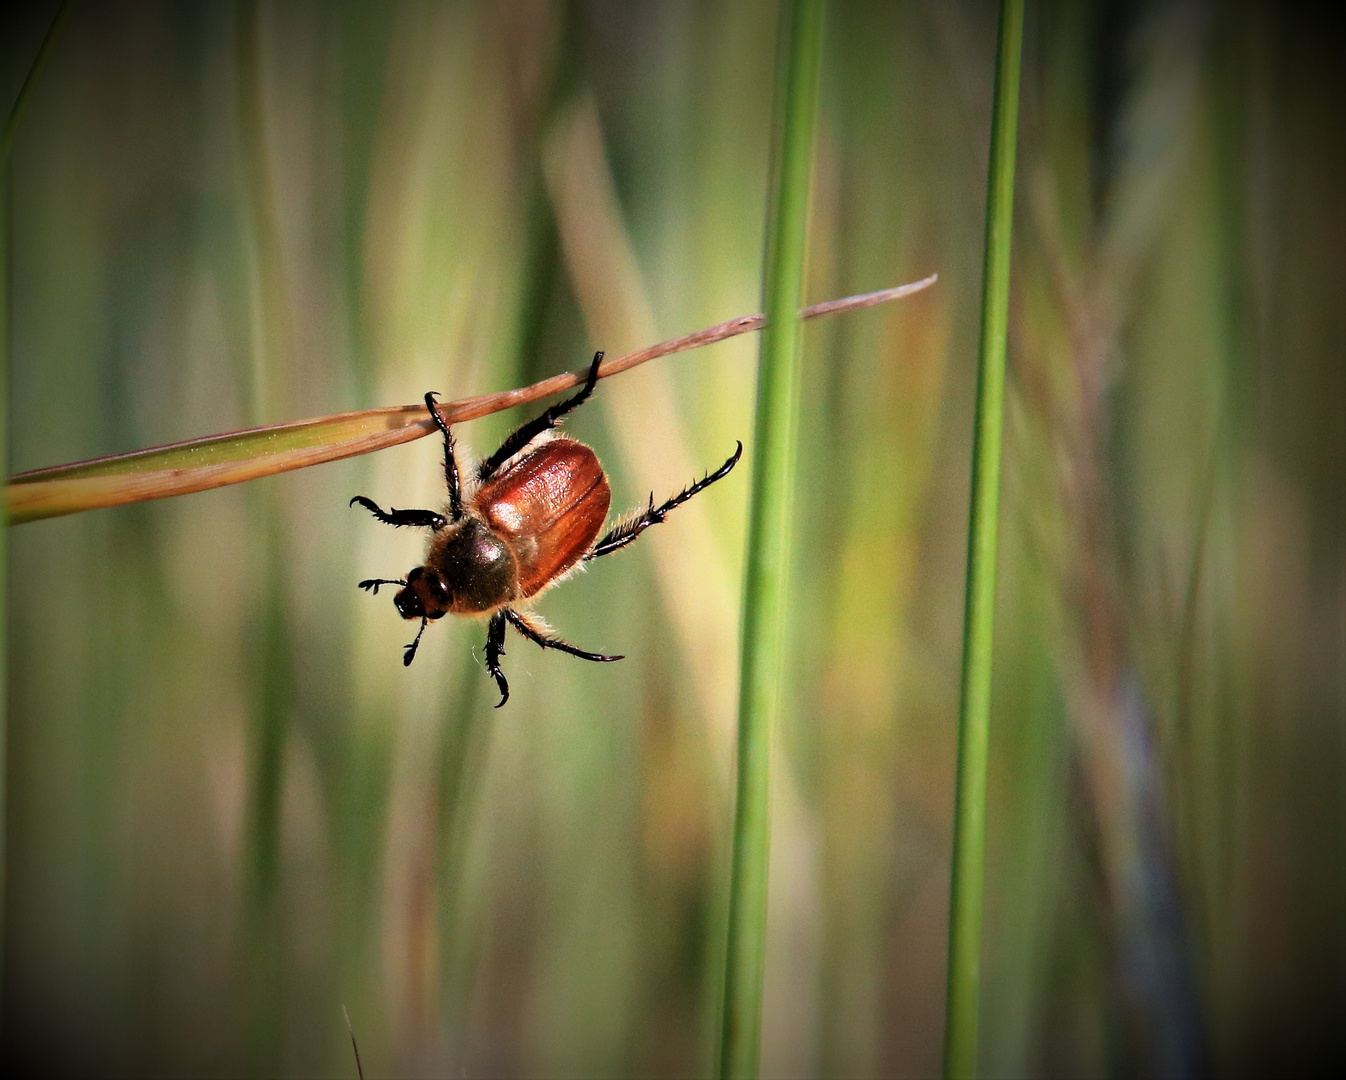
<point x="551" y="503"/>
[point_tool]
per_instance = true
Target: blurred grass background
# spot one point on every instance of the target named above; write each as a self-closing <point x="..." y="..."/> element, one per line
<point x="230" y="808"/>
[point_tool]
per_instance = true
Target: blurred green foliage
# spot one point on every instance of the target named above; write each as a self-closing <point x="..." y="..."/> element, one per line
<point x="764" y="640"/>
<point x="231" y="810"/>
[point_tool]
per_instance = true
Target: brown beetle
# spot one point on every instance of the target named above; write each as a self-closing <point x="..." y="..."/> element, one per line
<point x="530" y="517"/>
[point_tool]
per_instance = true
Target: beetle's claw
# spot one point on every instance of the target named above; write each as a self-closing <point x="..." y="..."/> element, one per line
<point x="410" y="654"/>
<point x="502" y="683"/>
<point x="497" y="673"/>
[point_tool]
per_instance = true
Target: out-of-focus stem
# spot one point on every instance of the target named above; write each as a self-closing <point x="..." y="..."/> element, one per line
<point x="969" y="839"/>
<point x="12" y="123"/>
<point x="767" y="587"/>
<point x="271" y="705"/>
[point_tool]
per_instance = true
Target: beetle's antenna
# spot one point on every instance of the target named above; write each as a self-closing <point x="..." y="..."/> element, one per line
<point x="372" y="584"/>
<point x="410" y="654"/>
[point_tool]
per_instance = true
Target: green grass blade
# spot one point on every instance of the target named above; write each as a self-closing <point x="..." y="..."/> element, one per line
<point x="12" y="123"/>
<point x="25" y="95"/>
<point x="969" y="840"/>
<point x="798" y="62"/>
<point x="267" y="968"/>
<point x="218" y="460"/>
<point x="4" y="548"/>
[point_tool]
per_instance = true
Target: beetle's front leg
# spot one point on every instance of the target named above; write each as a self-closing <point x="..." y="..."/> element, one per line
<point x="423" y="518"/>
<point x="409" y="652"/>
<point x="495" y="649"/>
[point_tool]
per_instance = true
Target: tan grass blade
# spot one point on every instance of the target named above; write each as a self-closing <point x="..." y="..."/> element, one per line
<point x="218" y="460"/>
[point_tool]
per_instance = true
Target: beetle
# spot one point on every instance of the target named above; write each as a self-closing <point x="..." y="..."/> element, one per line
<point x="528" y="517"/>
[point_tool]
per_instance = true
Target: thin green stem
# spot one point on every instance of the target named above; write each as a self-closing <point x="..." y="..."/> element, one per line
<point x="271" y="361"/>
<point x="12" y="123"/>
<point x="969" y="838"/>
<point x="766" y="593"/>
<point x="4" y="558"/>
<point x="20" y="105"/>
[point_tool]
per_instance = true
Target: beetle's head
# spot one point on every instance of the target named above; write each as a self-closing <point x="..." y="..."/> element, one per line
<point x="424" y="597"/>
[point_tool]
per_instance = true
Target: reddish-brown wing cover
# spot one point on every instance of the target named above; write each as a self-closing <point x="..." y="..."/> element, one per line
<point x="551" y="504"/>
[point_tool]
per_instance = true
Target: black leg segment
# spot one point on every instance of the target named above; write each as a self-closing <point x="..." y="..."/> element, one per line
<point x="495" y="649"/>
<point x="522" y="624"/>
<point x="410" y="654"/>
<point x="523" y="435"/>
<point x="450" y="462"/>
<point x="627" y="532"/>
<point x="427" y="519"/>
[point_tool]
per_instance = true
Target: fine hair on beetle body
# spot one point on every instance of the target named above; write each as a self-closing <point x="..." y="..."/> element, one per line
<point x="518" y="523"/>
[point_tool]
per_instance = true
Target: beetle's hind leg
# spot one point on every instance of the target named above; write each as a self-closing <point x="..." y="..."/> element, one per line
<point x="627" y="532"/>
<point x="536" y="631"/>
<point x="526" y="433"/>
<point x="424" y="518"/>
<point x="495" y="649"/>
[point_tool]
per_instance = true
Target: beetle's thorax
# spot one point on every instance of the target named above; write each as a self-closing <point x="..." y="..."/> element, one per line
<point x="476" y="564"/>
